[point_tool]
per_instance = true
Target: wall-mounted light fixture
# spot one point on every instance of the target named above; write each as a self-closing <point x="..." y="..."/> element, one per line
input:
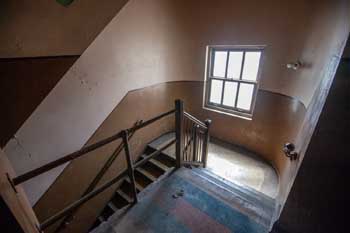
<point x="295" y="65"/>
<point x="289" y="151"/>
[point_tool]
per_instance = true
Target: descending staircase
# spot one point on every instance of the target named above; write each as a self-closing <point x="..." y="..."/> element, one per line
<point x="207" y="203"/>
<point x="254" y="205"/>
<point x="144" y="176"/>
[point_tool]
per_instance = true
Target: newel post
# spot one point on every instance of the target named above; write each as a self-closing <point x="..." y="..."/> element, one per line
<point x="179" y="113"/>
<point x="206" y="143"/>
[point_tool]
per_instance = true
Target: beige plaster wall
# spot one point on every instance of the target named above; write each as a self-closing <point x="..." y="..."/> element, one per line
<point x="156" y="41"/>
<point x="46" y="28"/>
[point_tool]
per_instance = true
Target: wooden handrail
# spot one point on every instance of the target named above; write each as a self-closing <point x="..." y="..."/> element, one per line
<point x="90" y="192"/>
<point x="100" y="189"/>
<point x="195" y="120"/>
<point x="144" y="124"/>
<point x="40" y="170"/>
<point x="97" y="178"/>
<point x="150" y="156"/>
<point x="51" y="220"/>
<point x="35" y="172"/>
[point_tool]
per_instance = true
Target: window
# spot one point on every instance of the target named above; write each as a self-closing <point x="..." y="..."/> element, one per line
<point x="232" y="79"/>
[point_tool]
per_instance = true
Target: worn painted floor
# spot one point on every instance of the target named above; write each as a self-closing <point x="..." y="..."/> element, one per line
<point x="191" y="201"/>
<point x="242" y="167"/>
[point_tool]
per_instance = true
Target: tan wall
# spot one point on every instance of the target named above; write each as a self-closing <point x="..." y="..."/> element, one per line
<point x="325" y="36"/>
<point x="147" y="43"/>
<point x="326" y="39"/>
<point x="275" y="121"/>
<point x="156" y="41"/>
<point x="46" y="28"/>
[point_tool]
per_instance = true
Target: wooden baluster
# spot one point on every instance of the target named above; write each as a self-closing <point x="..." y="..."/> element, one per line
<point x="130" y="165"/>
<point x="195" y="149"/>
<point x="185" y="137"/>
<point x="179" y="113"/>
<point x="206" y="143"/>
<point x="200" y="145"/>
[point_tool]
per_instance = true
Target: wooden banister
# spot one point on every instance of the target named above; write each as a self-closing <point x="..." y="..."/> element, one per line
<point x="199" y="156"/>
<point x="195" y="120"/>
<point x="47" y="167"/>
<point x="48" y="222"/>
<point x="97" y="179"/>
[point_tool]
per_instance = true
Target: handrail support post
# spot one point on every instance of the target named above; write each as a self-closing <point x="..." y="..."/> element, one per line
<point x="179" y="112"/>
<point x="130" y="165"/>
<point x="206" y="143"/>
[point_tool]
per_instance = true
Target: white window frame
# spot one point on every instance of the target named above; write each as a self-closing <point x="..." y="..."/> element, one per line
<point x="235" y="111"/>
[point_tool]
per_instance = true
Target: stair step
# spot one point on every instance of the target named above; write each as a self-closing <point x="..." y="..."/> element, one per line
<point x="119" y="201"/>
<point x="166" y="160"/>
<point x="112" y="206"/>
<point x="162" y="141"/>
<point x="101" y="219"/>
<point x="157" y="163"/>
<point x="138" y="186"/>
<point x="124" y="195"/>
<point x="146" y="174"/>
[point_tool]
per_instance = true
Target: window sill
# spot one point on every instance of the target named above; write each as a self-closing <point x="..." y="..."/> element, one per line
<point x="243" y="116"/>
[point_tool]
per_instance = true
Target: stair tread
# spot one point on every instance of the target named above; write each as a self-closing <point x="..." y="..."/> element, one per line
<point x="244" y="191"/>
<point x="162" y="141"/>
<point x="101" y="219"/>
<point x="138" y="186"/>
<point x="112" y="206"/>
<point x="147" y="174"/>
<point x="157" y="163"/>
<point x="124" y="195"/>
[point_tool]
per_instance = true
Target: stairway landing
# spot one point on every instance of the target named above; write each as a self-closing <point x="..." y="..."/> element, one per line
<point x="190" y="200"/>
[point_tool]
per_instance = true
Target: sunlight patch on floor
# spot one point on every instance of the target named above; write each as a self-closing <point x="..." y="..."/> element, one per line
<point x="242" y="168"/>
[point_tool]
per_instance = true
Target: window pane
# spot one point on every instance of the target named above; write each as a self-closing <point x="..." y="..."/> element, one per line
<point x="245" y="96"/>
<point x="220" y="64"/>
<point x="230" y="93"/>
<point x="251" y="65"/>
<point x="215" y="91"/>
<point x="235" y="65"/>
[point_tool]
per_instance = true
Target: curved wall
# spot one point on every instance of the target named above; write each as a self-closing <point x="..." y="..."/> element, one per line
<point x="276" y="120"/>
<point x="156" y="41"/>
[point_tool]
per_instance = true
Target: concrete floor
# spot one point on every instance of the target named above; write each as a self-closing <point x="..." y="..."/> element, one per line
<point x="242" y="167"/>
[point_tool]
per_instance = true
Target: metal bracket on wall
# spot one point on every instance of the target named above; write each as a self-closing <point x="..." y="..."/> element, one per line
<point x="289" y="151"/>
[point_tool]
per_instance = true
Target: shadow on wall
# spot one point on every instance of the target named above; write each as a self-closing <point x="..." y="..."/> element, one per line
<point x="24" y="83"/>
<point x="275" y="121"/>
<point x="319" y="199"/>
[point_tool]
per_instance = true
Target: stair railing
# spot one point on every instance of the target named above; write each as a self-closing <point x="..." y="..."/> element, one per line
<point x="68" y="218"/>
<point x="198" y="146"/>
<point x="194" y="135"/>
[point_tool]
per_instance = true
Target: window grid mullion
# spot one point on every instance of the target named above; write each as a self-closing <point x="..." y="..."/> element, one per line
<point x="234" y="80"/>
<point x="240" y="78"/>
<point x="224" y="82"/>
<point x="211" y="70"/>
